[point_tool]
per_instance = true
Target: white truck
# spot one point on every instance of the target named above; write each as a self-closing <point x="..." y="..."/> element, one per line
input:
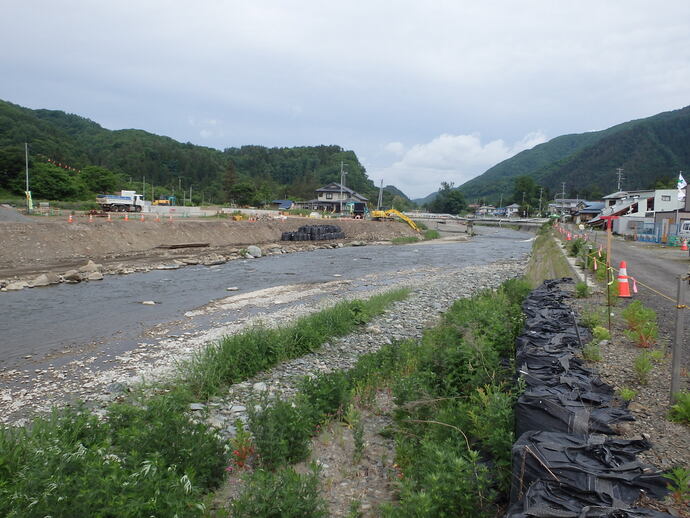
<point x="126" y="201"/>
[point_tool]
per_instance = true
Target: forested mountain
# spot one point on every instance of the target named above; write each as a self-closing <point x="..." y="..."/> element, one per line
<point x="72" y="157"/>
<point x="649" y="150"/>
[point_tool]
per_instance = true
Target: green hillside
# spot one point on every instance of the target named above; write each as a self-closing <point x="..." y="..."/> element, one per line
<point x="648" y="150"/>
<point x="94" y="159"/>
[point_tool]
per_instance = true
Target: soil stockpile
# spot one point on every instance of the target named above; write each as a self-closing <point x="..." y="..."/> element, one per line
<point x="29" y="248"/>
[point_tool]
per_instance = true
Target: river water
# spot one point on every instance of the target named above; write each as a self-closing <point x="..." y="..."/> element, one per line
<point x="46" y="322"/>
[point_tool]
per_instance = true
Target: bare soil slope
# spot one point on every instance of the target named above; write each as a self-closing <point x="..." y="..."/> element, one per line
<point x="43" y="244"/>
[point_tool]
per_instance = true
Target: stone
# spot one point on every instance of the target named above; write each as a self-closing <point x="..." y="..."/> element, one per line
<point x="197" y="406"/>
<point x="167" y="267"/>
<point x="90" y="267"/>
<point x="41" y="280"/>
<point x="94" y="276"/>
<point x="16" y="286"/>
<point x="117" y="388"/>
<point x="259" y="387"/>
<point x="254" y="251"/>
<point x="232" y="288"/>
<point x="72" y="276"/>
<point x="148" y="303"/>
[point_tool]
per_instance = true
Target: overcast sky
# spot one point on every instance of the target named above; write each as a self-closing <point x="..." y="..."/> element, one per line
<point x="422" y="91"/>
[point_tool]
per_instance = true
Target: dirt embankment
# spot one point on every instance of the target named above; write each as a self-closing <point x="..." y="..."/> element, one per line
<point x="39" y="246"/>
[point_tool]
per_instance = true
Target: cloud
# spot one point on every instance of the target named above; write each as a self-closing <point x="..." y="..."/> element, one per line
<point x="396" y="148"/>
<point x="449" y="158"/>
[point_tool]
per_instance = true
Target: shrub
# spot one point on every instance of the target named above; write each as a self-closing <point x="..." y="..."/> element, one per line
<point x="627" y="394"/>
<point x="636" y="314"/>
<point x="601" y="333"/>
<point x="581" y="290"/>
<point x="283" y="493"/>
<point x="680" y="410"/>
<point x="592" y="352"/>
<point x="592" y="319"/>
<point x="281" y="432"/>
<point x="643" y="366"/>
<point x="431" y="234"/>
<point x="679" y="484"/>
<point x="324" y="395"/>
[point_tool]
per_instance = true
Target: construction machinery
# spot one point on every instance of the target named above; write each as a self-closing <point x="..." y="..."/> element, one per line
<point x="389" y="214"/>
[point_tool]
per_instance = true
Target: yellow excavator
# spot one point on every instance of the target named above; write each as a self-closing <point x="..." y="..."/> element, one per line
<point x="378" y="215"/>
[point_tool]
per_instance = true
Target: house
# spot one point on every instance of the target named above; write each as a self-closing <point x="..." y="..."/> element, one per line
<point x="332" y="197"/>
<point x="512" y="210"/>
<point x="485" y="210"/>
<point x="637" y="210"/>
<point x="566" y="206"/>
<point x="588" y="212"/>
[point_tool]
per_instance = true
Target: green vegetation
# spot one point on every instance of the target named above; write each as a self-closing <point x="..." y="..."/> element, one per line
<point x="582" y="290"/>
<point x="240" y="356"/>
<point x="546" y="261"/>
<point x="147" y="457"/>
<point x="93" y="159"/>
<point x="679" y="484"/>
<point x="404" y="240"/>
<point x="601" y="333"/>
<point x="592" y="352"/>
<point x="643" y="366"/>
<point x="627" y="394"/>
<point x="649" y="149"/>
<point x="642" y="324"/>
<point x="283" y="493"/>
<point x="680" y="410"/>
<point x="431" y="234"/>
<point x="448" y="200"/>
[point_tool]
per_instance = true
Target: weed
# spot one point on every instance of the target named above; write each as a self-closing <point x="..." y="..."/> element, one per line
<point x="431" y="234"/>
<point x="283" y="493"/>
<point x="281" y="432"/>
<point x="627" y="394"/>
<point x="643" y="366"/>
<point x="592" y="319"/>
<point x="679" y="484"/>
<point x="644" y="335"/>
<point x="353" y="418"/>
<point x="680" y="410"/>
<point x="582" y="290"/>
<point x="601" y="333"/>
<point x="592" y="352"/>
<point x="355" y="509"/>
<point x="242" y="446"/>
<point x="404" y="240"/>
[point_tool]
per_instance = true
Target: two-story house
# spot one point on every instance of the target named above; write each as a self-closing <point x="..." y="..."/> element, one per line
<point x="331" y="197"/>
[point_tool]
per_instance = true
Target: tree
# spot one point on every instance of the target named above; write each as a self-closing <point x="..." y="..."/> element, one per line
<point x="53" y="183"/>
<point x="101" y="180"/>
<point x="448" y="201"/>
<point x="229" y="180"/>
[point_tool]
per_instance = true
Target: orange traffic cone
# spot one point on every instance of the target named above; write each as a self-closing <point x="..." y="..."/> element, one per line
<point x="568" y="237"/>
<point x="90" y="218"/>
<point x="70" y="219"/>
<point x="684" y="246"/>
<point x="142" y="217"/>
<point x="126" y="217"/>
<point x="109" y="216"/>
<point x="170" y="218"/>
<point x="158" y="218"/>
<point x="623" y="286"/>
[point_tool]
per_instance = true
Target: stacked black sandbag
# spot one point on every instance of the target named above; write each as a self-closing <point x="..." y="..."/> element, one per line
<point x="562" y="465"/>
<point x="314" y="233"/>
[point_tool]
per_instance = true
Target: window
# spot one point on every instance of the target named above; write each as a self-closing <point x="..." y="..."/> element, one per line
<point x="665" y="197"/>
<point x="329" y="195"/>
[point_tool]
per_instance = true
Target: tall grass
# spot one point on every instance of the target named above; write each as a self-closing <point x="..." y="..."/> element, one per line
<point x="238" y="357"/>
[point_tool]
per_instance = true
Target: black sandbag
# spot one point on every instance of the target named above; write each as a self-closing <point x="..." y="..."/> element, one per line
<point x="559" y="409"/>
<point x="594" y="463"/>
<point x="550" y="499"/>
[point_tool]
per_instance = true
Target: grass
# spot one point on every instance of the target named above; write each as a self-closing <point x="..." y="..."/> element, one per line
<point x="547" y="261"/>
<point x="236" y="358"/>
<point x="404" y="240"/>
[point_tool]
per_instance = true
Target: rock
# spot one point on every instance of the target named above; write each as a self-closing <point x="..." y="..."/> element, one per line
<point x="90" y="267"/>
<point x="236" y="409"/>
<point x="357" y="243"/>
<point x="196" y="406"/>
<point x="259" y="387"/>
<point x="41" y="280"/>
<point x="72" y="276"/>
<point x="16" y="286"/>
<point x="254" y="251"/>
<point x="232" y="288"/>
<point x="149" y="303"/>
<point x="117" y="388"/>
<point x="94" y="276"/>
<point x="167" y="267"/>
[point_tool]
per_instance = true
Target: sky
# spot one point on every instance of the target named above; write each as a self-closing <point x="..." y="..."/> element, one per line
<point x="423" y="92"/>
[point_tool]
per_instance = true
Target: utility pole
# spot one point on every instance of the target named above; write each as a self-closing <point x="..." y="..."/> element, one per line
<point x="523" y="205"/>
<point x="28" y="192"/>
<point x="380" y="201"/>
<point x="541" y="191"/>
<point x="563" y="200"/>
<point x="190" y="194"/>
<point x="620" y="177"/>
<point x="143" y="194"/>
<point x="343" y="173"/>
